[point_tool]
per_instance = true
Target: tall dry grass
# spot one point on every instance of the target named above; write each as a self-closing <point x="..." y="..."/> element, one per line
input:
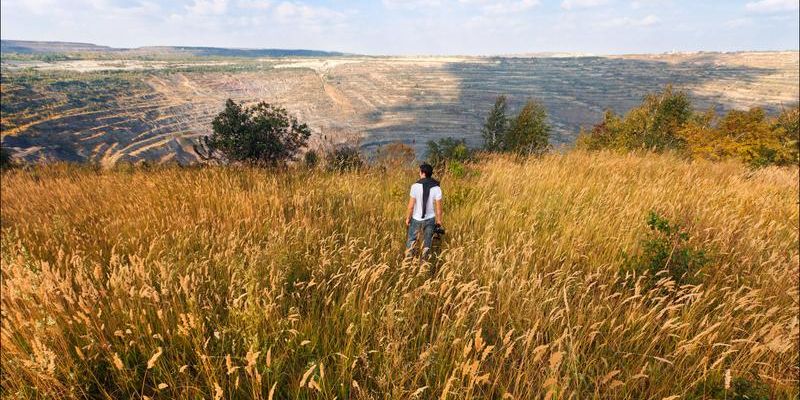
<point x="239" y="283"/>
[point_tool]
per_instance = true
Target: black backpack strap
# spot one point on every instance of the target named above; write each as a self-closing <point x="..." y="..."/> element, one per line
<point x="427" y="184"/>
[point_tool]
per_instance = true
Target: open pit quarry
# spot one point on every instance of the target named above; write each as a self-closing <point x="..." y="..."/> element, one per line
<point x="111" y="110"/>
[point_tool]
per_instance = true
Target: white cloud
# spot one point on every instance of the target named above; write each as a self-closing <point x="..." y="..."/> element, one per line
<point x="236" y="18"/>
<point x="637" y="4"/>
<point x="305" y="14"/>
<point x="738" y="22"/>
<point x="511" y="6"/>
<point x="502" y="6"/>
<point x="769" y="6"/>
<point x="649" y="20"/>
<point x="208" y="7"/>
<point x="254" y="4"/>
<point x="39" y="6"/>
<point x="69" y="10"/>
<point x="485" y="7"/>
<point x="410" y="26"/>
<point x="410" y="4"/>
<point x="576" y="4"/>
<point x="103" y="8"/>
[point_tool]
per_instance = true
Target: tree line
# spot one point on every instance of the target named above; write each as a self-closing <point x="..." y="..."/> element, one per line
<point x="667" y="121"/>
<point x="266" y="135"/>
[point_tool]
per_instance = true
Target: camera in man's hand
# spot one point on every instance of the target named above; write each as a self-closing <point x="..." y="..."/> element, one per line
<point x="438" y="229"/>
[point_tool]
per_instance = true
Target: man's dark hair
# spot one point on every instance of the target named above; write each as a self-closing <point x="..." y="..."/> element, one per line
<point x="426" y="170"/>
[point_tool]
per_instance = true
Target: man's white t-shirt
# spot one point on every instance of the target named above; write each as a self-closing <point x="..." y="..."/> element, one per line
<point x="416" y="193"/>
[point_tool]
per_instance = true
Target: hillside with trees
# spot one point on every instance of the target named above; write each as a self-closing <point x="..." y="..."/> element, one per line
<point x="110" y="107"/>
<point x="667" y="121"/>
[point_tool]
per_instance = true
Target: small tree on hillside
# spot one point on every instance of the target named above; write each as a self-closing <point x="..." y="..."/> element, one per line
<point x="655" y="124"/>
<point x="602" y="136"/>
<point x="787" y="128"/>
<point x="344" y="158"/>
<point x="529" y="132"/>
<point x="6" y="161"/>
<point x="447" y="150"/>
<point x="262" y="134"/>
<point x="395" y="154"/>
<point x="494" y="129"/>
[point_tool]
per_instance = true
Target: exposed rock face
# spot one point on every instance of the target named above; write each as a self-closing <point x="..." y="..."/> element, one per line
<point x="130" y="110"/>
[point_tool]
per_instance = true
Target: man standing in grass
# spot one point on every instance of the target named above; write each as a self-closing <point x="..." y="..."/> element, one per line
<point x="424" y="209"/>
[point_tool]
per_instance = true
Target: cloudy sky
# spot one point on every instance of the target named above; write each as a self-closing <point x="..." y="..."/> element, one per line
<point x="414" y="26"/>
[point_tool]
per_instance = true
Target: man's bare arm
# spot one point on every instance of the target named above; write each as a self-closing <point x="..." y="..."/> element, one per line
<point x="410" y="211"/>
<point x="437" y="205"/>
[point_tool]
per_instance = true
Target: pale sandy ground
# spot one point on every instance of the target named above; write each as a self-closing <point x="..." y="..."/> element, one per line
<point x="100" y="65"/>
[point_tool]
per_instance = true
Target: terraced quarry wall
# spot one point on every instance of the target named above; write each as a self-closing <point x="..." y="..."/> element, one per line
<point x="110" y="111"/>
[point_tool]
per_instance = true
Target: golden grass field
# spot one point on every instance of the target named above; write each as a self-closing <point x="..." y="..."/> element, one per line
<point x="243" y="283"/>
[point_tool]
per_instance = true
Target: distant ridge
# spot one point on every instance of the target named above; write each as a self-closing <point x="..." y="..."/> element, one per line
<point x="234" y="52"/>
<point x="43" y="47"/>
<point x="29" y="47"/>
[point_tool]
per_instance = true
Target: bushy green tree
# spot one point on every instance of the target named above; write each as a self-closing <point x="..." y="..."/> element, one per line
<point x="656" y="123"/>
<point x="653" y="125"/>
<point x="495" y="127"/>
<point x="263" y="134"/>
<point x="529" y="132"/>
<point x="447" y="150"/>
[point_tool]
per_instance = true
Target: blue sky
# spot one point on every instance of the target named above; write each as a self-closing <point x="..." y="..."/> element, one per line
<point x="447" y="27"/>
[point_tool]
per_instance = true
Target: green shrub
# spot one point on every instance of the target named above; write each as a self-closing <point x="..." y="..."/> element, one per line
<point x="457" y="169"/>
<point x="447" y="150"/>
<point x="311" y="159"/>
<point x="739" y="388"/>
<point x="602" y="135"/>
<point x="666" y="248"/>
<point x="344" y="158"/>
<point x="6" y="161"/>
